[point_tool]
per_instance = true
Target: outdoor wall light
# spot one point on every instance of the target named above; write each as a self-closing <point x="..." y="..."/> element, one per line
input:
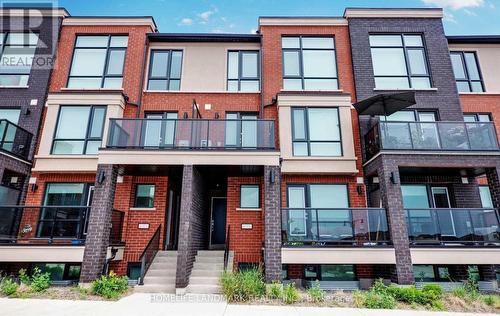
<point x="34" y="187"/>
<point x="394" y="179"/>
<point x="272" y="177"/>
<point x="359" y="188"/>
<point x="185" y="115"/>
<point x="217" y="115"/>
<point x="101" y="177"/>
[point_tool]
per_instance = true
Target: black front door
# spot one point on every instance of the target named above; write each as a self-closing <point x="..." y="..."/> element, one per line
<point x="218" y="222"/>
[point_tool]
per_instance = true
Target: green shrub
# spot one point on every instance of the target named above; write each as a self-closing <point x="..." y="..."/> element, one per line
<point x="25" y="279"/>
<point x="243" y="285"/>
<point x="8" y="287"/>
<point x="429" y="295"/>
<point x="39" y="281"/>
<point x="316" y="294"/>
<point x="290" y="294"/>
<point x="110" y="286"/>
<point x="489" y="300"/>
<point x="252" y="283"/>
<point x="459" y="292"/>
<point x="434" y="289"/>
<point x="275" y="290"/>
<point x="376" y="300"/>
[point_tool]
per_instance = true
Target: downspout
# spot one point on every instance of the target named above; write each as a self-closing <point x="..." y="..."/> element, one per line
<point x="261" y="111"/>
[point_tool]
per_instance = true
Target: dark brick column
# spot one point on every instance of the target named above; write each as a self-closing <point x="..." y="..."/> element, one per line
<point x="487" y="272"/>
<point x="392" y="201"/>
<point x="492" y="174"/>
<point x="272" y="223"/>
<point x="99" y="228"/>
<point x="193" y="224"/>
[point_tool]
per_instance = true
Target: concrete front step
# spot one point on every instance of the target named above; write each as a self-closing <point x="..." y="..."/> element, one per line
<point x="203" y="259"/>
<point x="206" y="273"/>
<point x="155" y="288"/>
<point x="203" y="289"/>
<point x="169" y="259"/>
<point x="208" y="266"/>
<point x="159" y="279"/>
<point x="210" y="253"/>
<point x="197" y="280"/>
<point x="161" y="272"/>
<point x="166" y="254"/>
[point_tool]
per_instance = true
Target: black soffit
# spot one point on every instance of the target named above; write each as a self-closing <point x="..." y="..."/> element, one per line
<point x="385" y="104"/>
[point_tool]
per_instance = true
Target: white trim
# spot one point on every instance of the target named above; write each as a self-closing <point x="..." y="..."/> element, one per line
<point x="405" y="89"/>
<point x="106" y="21"/>
<point x="436" y="13"/>
<point x="14" y="87"/>
<point x="142" y="209"/>
<point x="248" y="209"/>
<point x="271" y="21"/>
<point x="204" y="92"/>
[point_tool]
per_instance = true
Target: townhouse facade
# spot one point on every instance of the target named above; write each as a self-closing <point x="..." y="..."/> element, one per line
<point x="170" y="157"/>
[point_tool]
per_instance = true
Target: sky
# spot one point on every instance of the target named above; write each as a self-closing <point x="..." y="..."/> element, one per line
<point x="462" y="17"/>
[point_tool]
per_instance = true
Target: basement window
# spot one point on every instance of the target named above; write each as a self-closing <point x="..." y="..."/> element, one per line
<point x="144" y="196"/>
<point x="249" y="196"/>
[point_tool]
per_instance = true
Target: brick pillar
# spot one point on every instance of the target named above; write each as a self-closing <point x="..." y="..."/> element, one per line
<point x="272" y="223"/>
<point x="392" y="201"/>
<point x="193" y="224"/>
<point x="492" y="174"/>
<point x="96" y="244"/>
<point x="458" y="272"/>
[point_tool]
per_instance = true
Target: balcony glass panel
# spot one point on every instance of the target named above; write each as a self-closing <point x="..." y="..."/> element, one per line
<point x="340" y="226"/>
<point x="427" y="135"/>
<point x="14" y="139"/>
<point x="191" y="134"/>
<point x="453" y="226"/>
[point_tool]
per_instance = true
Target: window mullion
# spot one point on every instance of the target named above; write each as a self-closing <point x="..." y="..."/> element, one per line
<point x="301" y="63"/>
<point x="407" y="61"/>
<point x="87" y="133"/>
<point x="169" y="66"/>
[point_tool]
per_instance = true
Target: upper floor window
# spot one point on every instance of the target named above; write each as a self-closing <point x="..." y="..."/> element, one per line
<point x="17" y="53"/>
<point x="477" y="117"/>
<point x="467" y="73"/>
<point x="243" y="71"/>
<point x="316" y="132"/>
<point x="399" y="61"/>
<point x="165" y="70"/>
<point x="309" y="63"/>
<point x="79" y="130"/>
<point x="98" y="62"/>
<point x="11" y="115"/>
<point x="411" y="116"/>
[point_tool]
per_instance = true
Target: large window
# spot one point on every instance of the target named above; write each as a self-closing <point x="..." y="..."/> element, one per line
<point x="477" y="117"/>
<point x="79" y="130"/>
<point x="327" y="223"/>
<point x="165" y="70"/>
<point x="399" y="61"/>
<point x="316" y="132"/>
<point x="241" y="130"/>
<point x="11" y="115"/>
<point x="330" y="272"/>
<point x="160" y="129"/>
<point x="309" y="63"/>
<point x="243" y="71"/>
<point x="17" y="53"/>
<point x="98" y="62"/>
<point x="467" y="73"/>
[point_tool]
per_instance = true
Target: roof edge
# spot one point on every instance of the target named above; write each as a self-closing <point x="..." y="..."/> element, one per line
<point x="13" y="11"/>
<point x="301" y="20"/>
<point x="111" y="21"/>
<point x="203" y="37"/>
<point x="473" y="39"/>
<point x="422" y="13"/>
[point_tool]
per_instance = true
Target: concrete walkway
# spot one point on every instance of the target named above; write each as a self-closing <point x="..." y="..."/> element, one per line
<point x="141" y="304"/>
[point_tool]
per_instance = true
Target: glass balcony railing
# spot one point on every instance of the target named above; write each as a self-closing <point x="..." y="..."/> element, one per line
<point x="14" y="139"/>
<point x="432" y="136"/>
<point x="55" y="224"/>
<point x="198" y="134"/>
<point x="334" y="227"/>
<point x="453" y="226"/>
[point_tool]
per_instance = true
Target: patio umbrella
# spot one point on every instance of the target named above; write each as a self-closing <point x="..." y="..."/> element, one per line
<point x="385" y="104"/>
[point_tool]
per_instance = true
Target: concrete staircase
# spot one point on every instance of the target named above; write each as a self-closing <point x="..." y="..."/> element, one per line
<point x="207" y="268"/>
<point x="160" y="277"/>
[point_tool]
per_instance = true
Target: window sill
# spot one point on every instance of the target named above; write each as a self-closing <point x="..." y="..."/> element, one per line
<point x="311" y="91"/>
<point x="405" y="89"/>
<point x="207" y="91"/>
<point x="249" y="209"/>
<point x="92" y="89"/>
<point x="14" y="87"/>
<point x="480" y="93"/>
<point x="143" y="208"/>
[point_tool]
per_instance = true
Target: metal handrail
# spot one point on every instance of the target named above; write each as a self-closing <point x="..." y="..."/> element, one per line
<point x="153" y="247"/>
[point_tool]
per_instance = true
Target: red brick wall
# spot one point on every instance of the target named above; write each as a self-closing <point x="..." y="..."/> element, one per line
<point x="246" y="244"/>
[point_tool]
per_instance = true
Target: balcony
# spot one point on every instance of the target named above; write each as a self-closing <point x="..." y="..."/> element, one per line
<point x="191" y="134"/>
<point x="334" y="227"/>
<point x="14" y="140"/>
<point x="461" y="227"/>
<point x="431" y="136"/>
<point x="58" y="225"/>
